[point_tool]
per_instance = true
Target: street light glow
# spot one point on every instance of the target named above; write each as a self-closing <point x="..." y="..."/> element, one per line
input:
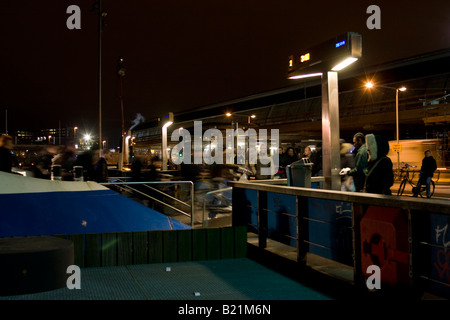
<point x="402" y="89"/>
<point x="344" y="64"/>
<point x="369" y="85"/>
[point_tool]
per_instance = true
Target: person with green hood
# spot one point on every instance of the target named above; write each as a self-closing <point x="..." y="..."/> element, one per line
<point x="379" y="173"/>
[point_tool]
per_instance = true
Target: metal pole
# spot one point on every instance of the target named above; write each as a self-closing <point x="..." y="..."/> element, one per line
<point x="192" y="204"/>
<point x="164" y="147"/>
<point x="330" y="131"/>
<point x="396" y="124"/>
<point x="121" y="73"/>
<point x="100" y="27"/>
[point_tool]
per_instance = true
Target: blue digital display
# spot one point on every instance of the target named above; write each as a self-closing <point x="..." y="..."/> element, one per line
<point x="339" y="44"/>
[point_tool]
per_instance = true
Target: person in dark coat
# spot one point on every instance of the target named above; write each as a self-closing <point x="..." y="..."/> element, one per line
<point x="316" y="159"/>
<point x="290" y="156"/>
<point x="6" y="157"/>
<point x="136" y="169"/>
<point x="427" y="170"/>
<point x="43" y="162"/>
<point x="361" y="159"/>
<point x="379" y="173"/>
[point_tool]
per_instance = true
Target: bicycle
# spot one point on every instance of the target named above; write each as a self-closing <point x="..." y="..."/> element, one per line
<point x="407" y="179"/>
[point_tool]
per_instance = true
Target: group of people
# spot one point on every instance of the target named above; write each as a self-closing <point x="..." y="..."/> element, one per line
<point x="291" y="155"/>
<point x="94" y="166"/>
<point x="373" y="170"/>
<point x="365" y="169"/>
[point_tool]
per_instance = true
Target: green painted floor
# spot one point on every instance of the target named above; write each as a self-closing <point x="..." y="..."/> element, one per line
<point x="234" y="279"/>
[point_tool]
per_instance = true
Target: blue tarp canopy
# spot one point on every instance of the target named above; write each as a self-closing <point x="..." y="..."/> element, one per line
<point x="94" y="210"/>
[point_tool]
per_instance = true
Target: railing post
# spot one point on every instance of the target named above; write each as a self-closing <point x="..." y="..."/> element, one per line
<point x="358" y="213"/>
<point x="192" y="204"/>
<point x="302" y="229"/>
<point x="262" y="219"/>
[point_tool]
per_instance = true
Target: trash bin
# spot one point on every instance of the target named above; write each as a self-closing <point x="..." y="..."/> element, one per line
<point x="56" y="172"/>
<point x="298" y="173"/>
<point x="78" y="174"/>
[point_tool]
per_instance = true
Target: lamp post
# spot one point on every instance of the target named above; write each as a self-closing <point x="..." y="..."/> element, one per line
<point x="235" y="126"/>
<point x="165" y="155"/>
<point x="326" y="60"/>
<point x="121" y="74"/>
<point x="101" y="16"/>
<point x="370" y="85"/>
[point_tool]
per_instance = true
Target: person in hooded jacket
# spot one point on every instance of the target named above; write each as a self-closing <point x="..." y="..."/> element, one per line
<point x="379" y="173"/>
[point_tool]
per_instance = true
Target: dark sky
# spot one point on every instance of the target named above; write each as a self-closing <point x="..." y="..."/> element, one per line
<point x="182" y="54"/>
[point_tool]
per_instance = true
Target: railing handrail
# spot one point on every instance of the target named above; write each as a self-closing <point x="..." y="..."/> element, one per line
<point x="192" y="206"/>
<point x="431" y="205"/>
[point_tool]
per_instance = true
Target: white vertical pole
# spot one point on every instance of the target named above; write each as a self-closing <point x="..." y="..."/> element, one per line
<point x="330" y="131"/>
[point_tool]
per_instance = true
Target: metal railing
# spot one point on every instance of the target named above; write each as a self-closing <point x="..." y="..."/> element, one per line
<point x="127" y="186"/>
<point x="309" y="209"/>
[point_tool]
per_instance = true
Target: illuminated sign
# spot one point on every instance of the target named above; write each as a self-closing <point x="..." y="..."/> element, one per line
<point x="341" y="43"/>
<point x="304" y="57"/>
<point x="334" y="54"/>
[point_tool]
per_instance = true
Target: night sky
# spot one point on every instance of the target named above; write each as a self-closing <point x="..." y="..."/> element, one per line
<point x="181" y="55"/>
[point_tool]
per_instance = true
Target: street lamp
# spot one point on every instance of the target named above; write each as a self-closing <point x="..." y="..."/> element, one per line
<point x="87" y="139"/>
<point x="249" y="117"/>
<point x="326" y="60"/>
<point x="165" y="156"/>
<point x="101" y="23"/>
<point x="370" y="85"/>
<point x="121" y="74"/>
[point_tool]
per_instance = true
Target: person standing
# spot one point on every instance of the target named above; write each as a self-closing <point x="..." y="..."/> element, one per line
<point x="6" y="157"/>
<point x="379" y="174"/>
<point x="361" y="161"/>
<point x="264" y="164"/>
<point x="307" y="152"/>
<point x="290" y="156"/>
<point x="427" y="170"/>
<point x="347" y="161"/>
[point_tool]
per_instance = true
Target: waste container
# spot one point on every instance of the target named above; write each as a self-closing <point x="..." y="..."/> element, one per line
<point x="56" y="172"/>
<point x="298" y="173"/>
<point x="78" y="174"/>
